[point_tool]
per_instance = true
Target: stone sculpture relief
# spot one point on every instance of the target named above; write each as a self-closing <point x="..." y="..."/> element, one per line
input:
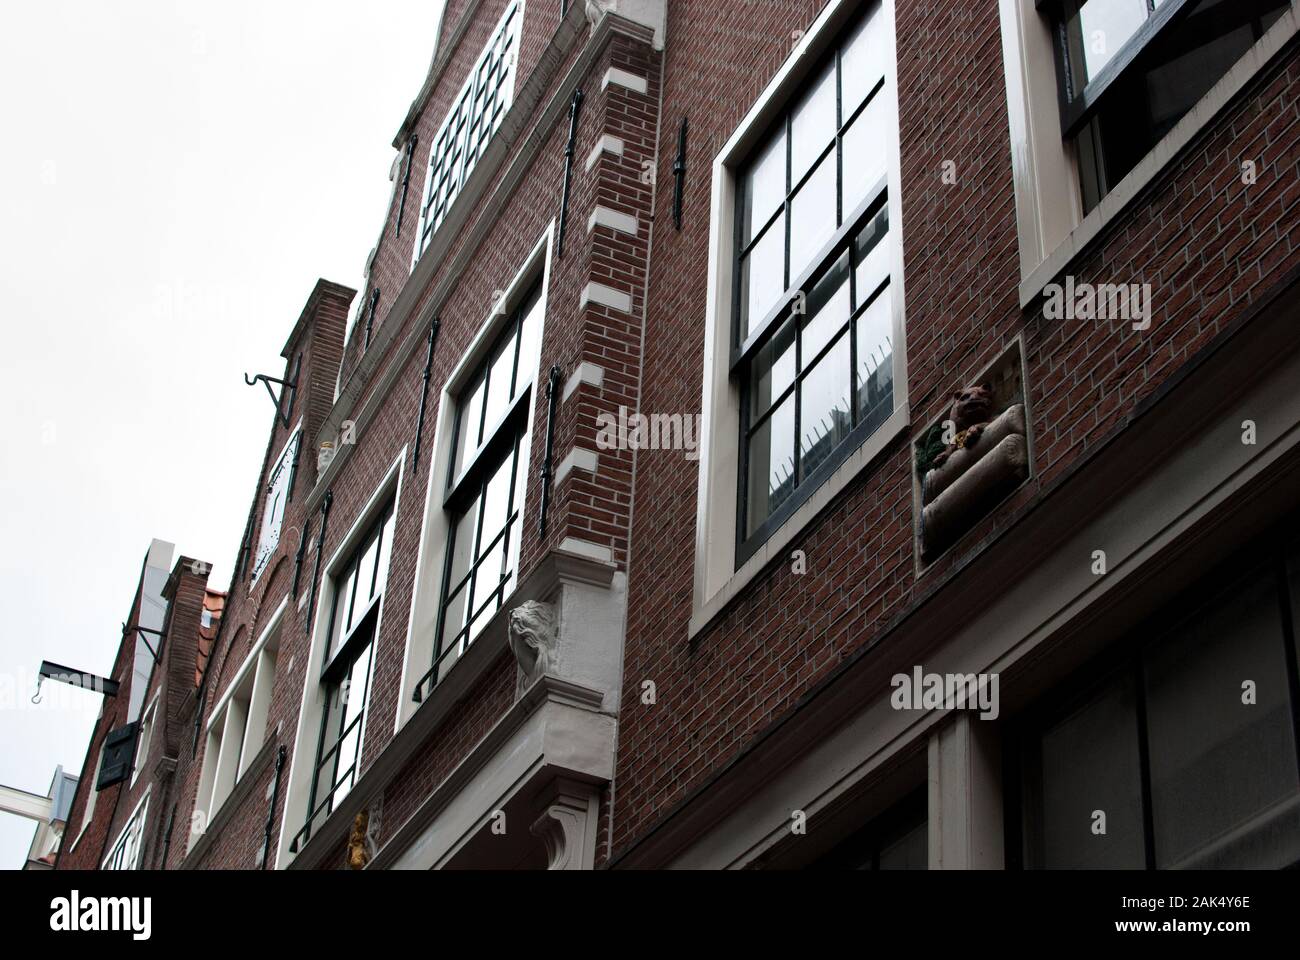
<point x="985" y="457"/>
<point x="532" y="639"/>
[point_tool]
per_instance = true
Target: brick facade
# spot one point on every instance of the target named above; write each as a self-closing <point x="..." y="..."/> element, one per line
<point x="1212" y="248"/>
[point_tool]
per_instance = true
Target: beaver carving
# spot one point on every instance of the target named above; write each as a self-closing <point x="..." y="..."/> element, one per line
<point x="970" y="414"/>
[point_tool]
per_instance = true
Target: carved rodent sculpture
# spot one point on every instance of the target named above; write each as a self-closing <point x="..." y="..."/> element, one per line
<point x="970" y="413"/>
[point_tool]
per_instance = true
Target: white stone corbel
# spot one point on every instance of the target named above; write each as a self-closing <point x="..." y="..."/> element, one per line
<point x="567" y="824"/>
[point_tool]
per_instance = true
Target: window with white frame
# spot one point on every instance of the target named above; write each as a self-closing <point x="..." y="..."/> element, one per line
<point x="142" y="744"/>
<point x="803" y="323"/>
<point x="476" y="113"/>
<point x="356" y="600"/>
<point x="1128" y="70"/>
<point x="278" y="485"/>
<point x="486" y="485"/>
<point x="1102" y="94"/>
<point x="237" y="728"/>
<point x="92" y="794"/>
<point x="125" y="854"/>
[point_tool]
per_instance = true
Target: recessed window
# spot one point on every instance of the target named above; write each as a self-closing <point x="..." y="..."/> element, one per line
<point x="1129" y="70"/>
<point x="142" y="743"/>
<point x="485" y="498"/>
<point x="237" y="729"/>
<point x="125" y="854"/>
<point x="476" y="113"/>
<point x="1184" y="756"/>
<point x="813" y="327"/>
<point x="357" y="598"/>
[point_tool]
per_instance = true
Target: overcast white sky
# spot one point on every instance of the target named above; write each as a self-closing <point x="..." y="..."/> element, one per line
<point x="174" y="177"/>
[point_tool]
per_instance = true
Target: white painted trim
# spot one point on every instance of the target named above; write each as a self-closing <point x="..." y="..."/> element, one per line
<point x="622" y="78"/>
<point x="585" y="548"/>
<point x="1051" y="225"/>
<point x="717" y="579"/>
<point x="147" y="717"/>
<point x="612" y="220"/>
<point x="606" y="144"/>
<point x="605" y="296"/>
<point x="426" y="594"/>
<point x="576" y="459"/>
<point x="141" y="810"/>
<point x="586" y="372"/>
<point x="250" y="661"/>
<point x="298" y="784"/>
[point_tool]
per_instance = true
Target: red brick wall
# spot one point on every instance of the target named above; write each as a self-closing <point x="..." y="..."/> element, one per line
<point x="1208" y="244"/>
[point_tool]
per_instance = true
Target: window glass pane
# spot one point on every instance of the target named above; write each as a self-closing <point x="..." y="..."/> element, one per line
<point x="385" y="552"/>
<point x="1099" y="31"/>
<point x="828" y="309"/>
<point x="812" y="217"/>
<point x="762" y="276"/>
<point x="528" y="346"/>
<point x="346" y="604"/>
<point x="487" y="577"/>
<point x="496" y="500"/>
<point x="874" y="379"/>
<point x="813" y="123"/>
<point x="908" y="852"/>
<point x="366" y="574"/>
<point x="498" y="384"/>
<point x="864" y="155"/>
<point x="470" y="424"/>
<point x="871" y="254"/>
<point x="763" y="187"/>
<point x="1222" y="769"/>
<point x="825" y="419"/>
<point x="772" y="370"/>
<point x="462" y="546"/>
<point x="1089" y="762"/>
<point x="863" y="61"/>
<point x="771" y="465"/>
<point x="453" y="621"/>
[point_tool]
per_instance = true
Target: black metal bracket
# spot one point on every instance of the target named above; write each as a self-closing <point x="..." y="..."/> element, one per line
<point x="411" y="144"/>
<point x="275" y="797"/>
<point x="291" y="387"/>
<point x="552" y="391"/>
<point x="424" y="390"/>
<point x="320" y="547"/>
<point x="157" y="654"/>
<point x="74" y="678"/>
<point x="575" y="105"/>
<point x="679" y="175"/>
<point x="300" y="555"/>
<point x="370" y="316"/>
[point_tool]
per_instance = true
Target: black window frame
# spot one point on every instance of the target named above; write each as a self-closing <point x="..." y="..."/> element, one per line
<point x="497" y="443"/>
<point x="745" y="348"/>
<point x="337" y="664"/>
<point x="1123" y="661"/>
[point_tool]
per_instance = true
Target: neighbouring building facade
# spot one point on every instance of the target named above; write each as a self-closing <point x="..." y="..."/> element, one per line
<point x="799" y="433"/>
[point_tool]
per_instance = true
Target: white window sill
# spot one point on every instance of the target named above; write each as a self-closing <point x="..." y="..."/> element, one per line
<point x="704" y="612"/>
<point x="1162" y="154"/>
